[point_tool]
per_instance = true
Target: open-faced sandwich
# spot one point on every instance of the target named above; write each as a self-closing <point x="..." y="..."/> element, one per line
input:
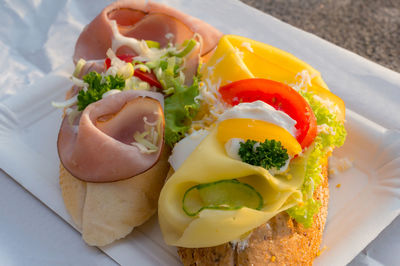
<point x="135" y="83"/>
<point x="251" y="131"/>
<point x="248" y="184"/>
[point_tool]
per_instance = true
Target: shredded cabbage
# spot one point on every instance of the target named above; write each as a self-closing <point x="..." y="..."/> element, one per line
<point x="65" y="104"/>
<point x="135" y="83"/>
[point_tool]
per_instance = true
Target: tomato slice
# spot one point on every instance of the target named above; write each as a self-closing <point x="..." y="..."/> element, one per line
<point x="144" y="76"/>
<point x="281" y="97"/>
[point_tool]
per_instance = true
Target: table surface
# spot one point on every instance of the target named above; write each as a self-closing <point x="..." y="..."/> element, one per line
<point x="370" y="28"/>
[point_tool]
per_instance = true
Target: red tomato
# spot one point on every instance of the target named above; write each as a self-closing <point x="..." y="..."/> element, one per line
<point x="281" y="97"/>
<point x="145" y="76"/>
<point x="125" y="57"/>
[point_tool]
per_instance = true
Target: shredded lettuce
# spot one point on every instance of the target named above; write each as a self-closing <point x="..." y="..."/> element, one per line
<point x="169" y="74"/>
<point x="180" y="106"/>
<point x="324" y="142"/>
<point x="78" y="68"/>
<point x="148" y="140"/>
<point x="153" y="44"/>
<point x="188" y="47"/>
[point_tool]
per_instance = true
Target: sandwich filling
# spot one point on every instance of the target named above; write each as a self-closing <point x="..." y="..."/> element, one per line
<point x="117" y="119"/>
<point x="240" y="166"/>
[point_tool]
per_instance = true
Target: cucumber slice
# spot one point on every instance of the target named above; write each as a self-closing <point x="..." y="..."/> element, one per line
<point x="221" y="195"/>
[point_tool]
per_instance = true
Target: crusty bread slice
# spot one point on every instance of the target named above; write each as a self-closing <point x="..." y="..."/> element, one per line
<point x="280" y="241"/>
<point x="105" y="212"/>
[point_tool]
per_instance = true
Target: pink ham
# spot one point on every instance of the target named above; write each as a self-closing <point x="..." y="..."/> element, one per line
<point x="141" y="19"/>
<point x="145" y="29"/>
<point x="97" y="146"/>
<point x="93" y="65"/>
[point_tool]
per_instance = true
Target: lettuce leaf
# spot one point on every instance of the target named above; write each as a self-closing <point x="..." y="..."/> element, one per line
<point x="324" y="142"/>
<point x="180" y="109"/>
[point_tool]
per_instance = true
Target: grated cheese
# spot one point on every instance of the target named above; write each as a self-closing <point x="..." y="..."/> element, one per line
<point x="241" y="244"/>
<point x="337" y="165"/>
<point x="212" y="105"/>
<point x="304" y="78"/>
<point x="247" y="45"/>
<point x="321" y="250"/>
<point x="239" y="53"/>
<point x="324" y="128"/>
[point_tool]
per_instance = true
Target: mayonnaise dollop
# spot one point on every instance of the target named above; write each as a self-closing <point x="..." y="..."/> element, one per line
<point x="257" y="110"/>
<point x="260" y="110"/>
<point x="185" y="147"/>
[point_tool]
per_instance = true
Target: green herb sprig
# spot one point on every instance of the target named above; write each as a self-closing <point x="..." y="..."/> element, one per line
<point x="268" y="154"/>
<point x="98" y="85"/>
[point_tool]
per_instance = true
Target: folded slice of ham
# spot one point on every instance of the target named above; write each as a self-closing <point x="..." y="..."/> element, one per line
<point x="96" y="147"/>
<point x="145" y="29"/>
<point x="142" y="20"/>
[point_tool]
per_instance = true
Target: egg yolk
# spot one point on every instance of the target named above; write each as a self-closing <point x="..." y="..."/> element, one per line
<point x="257" y="130"/>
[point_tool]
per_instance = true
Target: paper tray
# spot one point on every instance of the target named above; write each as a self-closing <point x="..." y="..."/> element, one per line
<point x="366" y="202"/>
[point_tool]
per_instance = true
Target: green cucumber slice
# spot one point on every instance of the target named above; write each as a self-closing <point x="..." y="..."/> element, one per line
<point x="221" y="195"/>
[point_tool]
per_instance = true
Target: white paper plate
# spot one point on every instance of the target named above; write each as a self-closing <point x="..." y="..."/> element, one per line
<point x="365" y="204"/>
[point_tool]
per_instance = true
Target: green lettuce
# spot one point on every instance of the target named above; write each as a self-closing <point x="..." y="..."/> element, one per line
<point x="322" y="145"/>
<point x="180" y="109"/>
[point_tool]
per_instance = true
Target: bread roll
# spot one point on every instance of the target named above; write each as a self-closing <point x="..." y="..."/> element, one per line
<point x="105" y="212"/>
<point x="280" y="241"/>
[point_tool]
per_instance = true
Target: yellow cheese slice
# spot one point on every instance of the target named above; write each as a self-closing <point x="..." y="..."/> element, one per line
<point x="226" y="64"/>
<point x="239" y="58"/>
<point x="209" y="163"/>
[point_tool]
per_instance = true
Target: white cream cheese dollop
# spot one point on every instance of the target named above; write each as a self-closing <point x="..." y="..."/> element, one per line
<point x="185" y="147"/>
<point x="260" y="110"/>
<point x="257" y="110"/>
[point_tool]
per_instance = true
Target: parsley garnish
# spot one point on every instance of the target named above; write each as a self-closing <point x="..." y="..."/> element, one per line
<point x="98" y="85"/>
<point x="268" y="154"/>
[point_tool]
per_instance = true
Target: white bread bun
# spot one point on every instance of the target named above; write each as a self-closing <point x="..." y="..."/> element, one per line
<point x="105" y="212"/>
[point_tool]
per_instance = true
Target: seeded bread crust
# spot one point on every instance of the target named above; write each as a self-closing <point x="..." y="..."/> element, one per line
<point x="280" y="241"/>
